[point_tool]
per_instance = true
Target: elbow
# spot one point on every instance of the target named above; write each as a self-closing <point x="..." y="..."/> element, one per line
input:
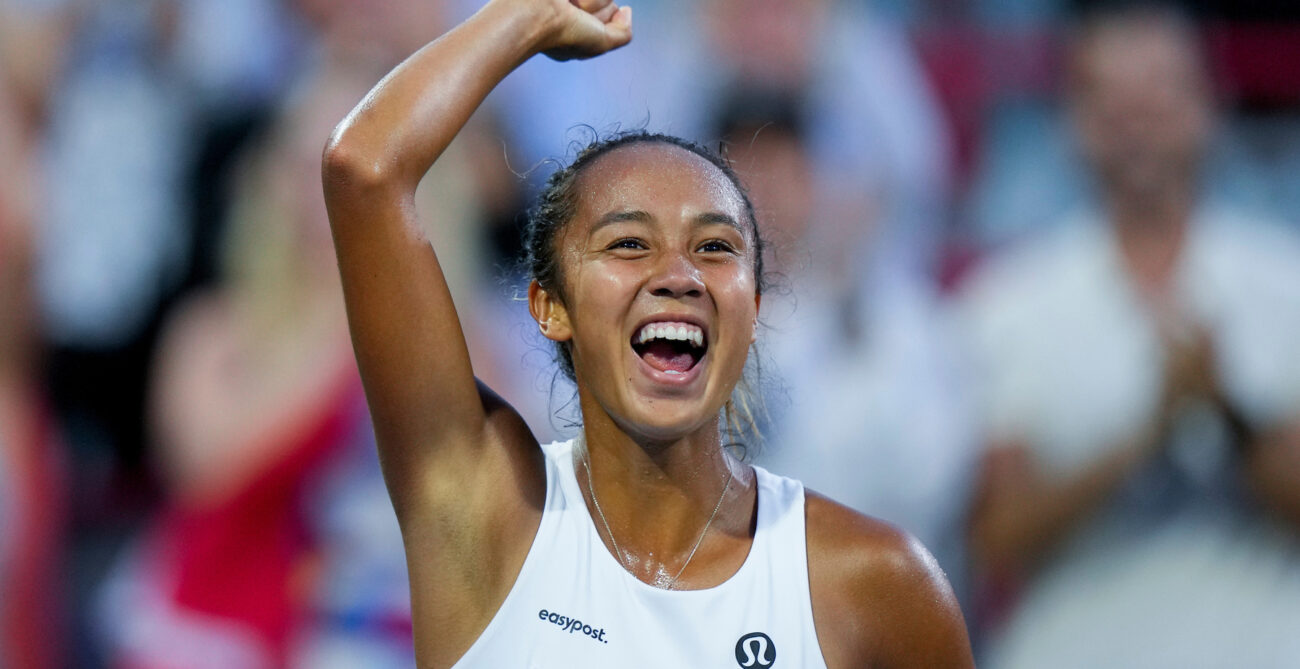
<point x="348" y="165"/>
<point x="345" y="166"/>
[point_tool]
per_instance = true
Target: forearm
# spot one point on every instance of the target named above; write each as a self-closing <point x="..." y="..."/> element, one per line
<point x="411" y="116"/>
<point x="1270" y="456"/>
<point x="1021" y="514"/>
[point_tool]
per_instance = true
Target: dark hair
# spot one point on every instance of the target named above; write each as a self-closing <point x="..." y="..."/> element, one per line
<point x="558" y="201"/>
<point x="748" y="110"/>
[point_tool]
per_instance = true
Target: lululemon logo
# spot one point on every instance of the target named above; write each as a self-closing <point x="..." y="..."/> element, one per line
<point x="755" y="650"/>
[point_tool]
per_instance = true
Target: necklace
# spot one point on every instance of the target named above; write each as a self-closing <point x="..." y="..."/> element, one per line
<point x="586" y="464"/>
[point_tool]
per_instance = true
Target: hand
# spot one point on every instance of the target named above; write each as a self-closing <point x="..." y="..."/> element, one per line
<point x="587" y="28"/>
<point x="1190" y="373"/>
<point x="1190" y="369"/>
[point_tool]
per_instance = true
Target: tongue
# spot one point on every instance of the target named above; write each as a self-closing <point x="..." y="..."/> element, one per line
<point x="666" y="357"/>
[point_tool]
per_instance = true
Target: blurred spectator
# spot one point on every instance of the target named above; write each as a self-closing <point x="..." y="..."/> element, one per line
<point x="873" y="416"/>
<point x="32" y="490"/>
<point x="1140" y="496"/>
<point x="256" y="402"/>
<point x="150" y="100"/>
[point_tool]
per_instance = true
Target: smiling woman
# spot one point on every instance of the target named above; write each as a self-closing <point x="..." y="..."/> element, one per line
<point x="654" y="245"/>
<point x="660" y="548"/>
<point x="558" y="203"/>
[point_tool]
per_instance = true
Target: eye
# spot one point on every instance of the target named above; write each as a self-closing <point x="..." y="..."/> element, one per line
<point x="717" y="246"/>
<point x="629" y="243"/>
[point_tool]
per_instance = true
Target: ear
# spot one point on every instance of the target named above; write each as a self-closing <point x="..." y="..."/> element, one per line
<point x="549" y="312"/>
<point x="758" y="301"/>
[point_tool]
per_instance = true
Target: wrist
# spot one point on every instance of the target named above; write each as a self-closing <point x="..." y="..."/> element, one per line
<point x="531" y="24"/>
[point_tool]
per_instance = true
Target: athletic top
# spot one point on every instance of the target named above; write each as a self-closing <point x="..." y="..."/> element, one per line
<point x="574" y="606"/>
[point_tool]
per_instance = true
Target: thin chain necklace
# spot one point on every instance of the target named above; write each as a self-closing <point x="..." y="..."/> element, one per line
<point x="586" y="464"/>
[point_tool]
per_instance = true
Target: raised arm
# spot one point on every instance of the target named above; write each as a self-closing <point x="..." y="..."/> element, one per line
<point x="429" y="415"/>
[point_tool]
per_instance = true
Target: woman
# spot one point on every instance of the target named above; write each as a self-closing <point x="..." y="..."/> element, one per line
<point x="643" y="543"/>
<point x="256" y="403"/>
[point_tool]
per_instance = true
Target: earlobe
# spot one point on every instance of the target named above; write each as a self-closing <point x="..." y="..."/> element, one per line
<point x="551" y="316"/>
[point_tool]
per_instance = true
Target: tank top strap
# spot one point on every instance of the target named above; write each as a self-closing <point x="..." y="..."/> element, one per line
<point x="560" y="473"/>
<point x="781" y="523"/>
<point x="785" y="545"/>
<point x="575" y="522"/>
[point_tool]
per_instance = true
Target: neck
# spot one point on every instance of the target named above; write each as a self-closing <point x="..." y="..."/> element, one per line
<point x="689" y="465"/>
<point x="1150" y="233"/>
<point x="659" y="496"/>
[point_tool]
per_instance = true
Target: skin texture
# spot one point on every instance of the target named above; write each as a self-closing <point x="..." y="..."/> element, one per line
<point x="658" y="235"/>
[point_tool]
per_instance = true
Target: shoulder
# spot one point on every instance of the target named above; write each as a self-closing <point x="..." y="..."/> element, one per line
<point x="1021" y="267"/>
<point x="879" y="597"/>
<point x="1256" y="247"/>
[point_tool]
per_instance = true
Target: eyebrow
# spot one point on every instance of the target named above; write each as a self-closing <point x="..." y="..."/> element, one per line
<point x="639" y="216"/>
<point x="624" y="216"/>
<point x="717" y="217"/>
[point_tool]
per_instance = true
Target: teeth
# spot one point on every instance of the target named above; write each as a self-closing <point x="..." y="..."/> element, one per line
<point x="673" y="332"/>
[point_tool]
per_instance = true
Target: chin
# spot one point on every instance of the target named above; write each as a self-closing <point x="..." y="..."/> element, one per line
<point x="667" y="419"/>
<point x="660" y="431"/>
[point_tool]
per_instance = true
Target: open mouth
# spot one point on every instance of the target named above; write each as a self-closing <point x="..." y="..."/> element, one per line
<point x="670" y="347"/>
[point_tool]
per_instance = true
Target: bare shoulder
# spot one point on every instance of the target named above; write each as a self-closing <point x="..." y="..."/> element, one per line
<point x="879" y="597"/>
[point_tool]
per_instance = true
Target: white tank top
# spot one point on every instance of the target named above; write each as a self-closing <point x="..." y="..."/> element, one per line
<point x="573" y="605"/>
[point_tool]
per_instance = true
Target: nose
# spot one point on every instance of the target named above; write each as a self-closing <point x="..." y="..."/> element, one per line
<point x="676" y="276"/>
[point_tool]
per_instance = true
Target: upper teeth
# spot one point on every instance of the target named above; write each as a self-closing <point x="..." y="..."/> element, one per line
<point x="678" y="331"/>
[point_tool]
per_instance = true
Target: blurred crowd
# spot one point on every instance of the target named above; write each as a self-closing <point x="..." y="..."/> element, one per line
<point x="1037" y="302"/>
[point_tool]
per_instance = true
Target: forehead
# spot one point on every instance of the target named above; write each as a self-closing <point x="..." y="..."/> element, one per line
<point x="666" y="181"/>
<point x="1138" y="54"/>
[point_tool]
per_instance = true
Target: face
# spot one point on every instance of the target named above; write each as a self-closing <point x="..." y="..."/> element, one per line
<point x="1142" y="108"/>
<point x="775" y="165"/>
<point x="768" y="42"/>
<point x="660" y="298"/>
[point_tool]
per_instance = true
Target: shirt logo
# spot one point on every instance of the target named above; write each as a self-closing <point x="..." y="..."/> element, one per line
<point x="572" y="625"/>
<point x="755" y="650"/>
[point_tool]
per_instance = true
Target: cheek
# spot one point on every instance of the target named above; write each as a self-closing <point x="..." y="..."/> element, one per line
<point x="735" y="297"/>
<point x="600" y="296"/>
